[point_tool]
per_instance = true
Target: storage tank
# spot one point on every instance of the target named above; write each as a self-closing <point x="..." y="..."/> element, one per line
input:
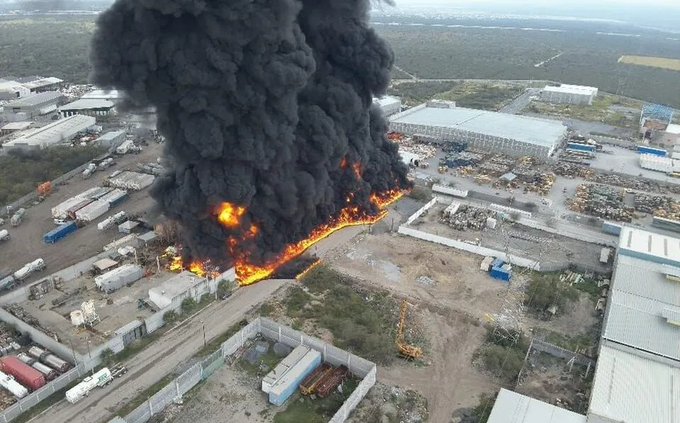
<point x="26" y="358"/>
<point x="8" y="382"/>
<point x="37" y="352"/>
<point x="22" y="372"/>
<point x="48" y="372"/>
<point x="283" y="367"/>
<point x="100" y="378"/>
<point x="34" y="266"/>
<point x="117" y="278"/>
<point x="56" y="363"/>
<point x="290" y="382"/>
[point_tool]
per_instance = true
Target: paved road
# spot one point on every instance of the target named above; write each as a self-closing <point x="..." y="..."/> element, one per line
<point x="162" y="357"/>
<point x="520" y="103"/>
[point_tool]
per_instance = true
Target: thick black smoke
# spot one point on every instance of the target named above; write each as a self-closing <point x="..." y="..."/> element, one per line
<point x="260" y="101"/>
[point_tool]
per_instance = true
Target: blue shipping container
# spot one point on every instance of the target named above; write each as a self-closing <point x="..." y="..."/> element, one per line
<point x="60" y="233"/>
<point x="501" y="274"/>
<point x="497" y="263"/>
<point x="288" y="385"/>
<point x="653" y="151"/>
<point x="581" y="147"/>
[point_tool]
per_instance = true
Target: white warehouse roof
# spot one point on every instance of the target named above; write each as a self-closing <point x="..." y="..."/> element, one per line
<point x="35" y="99"/>
<point x="54" y="133"/>
<point x="542" y="132"/>
<point x="511" y="407"/>
<point x="103" y="95"/>
<point x="649" y="245"/>
<point x="387" y="100"/>
<point x="634" y="389"/>
<point x="572" y="89"/>
<point x="163" y="294"/>
<point x="88" y="104"/>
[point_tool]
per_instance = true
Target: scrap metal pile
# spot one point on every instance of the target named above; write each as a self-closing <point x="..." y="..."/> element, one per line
<point x="23" y="315"/>
<point x="571" y="170"/>
<point x="657" y="205"/>
<point x="467" y="217"/>
<point x="601" y="201"/>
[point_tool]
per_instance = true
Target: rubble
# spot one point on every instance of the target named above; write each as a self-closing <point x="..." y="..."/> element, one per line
<point x="467" y="217"/>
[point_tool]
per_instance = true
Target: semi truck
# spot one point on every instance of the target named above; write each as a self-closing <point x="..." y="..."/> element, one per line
<point x="81" y="390"/>
<point x="18" y="217"/>
<point x="4" y="235"/>
<point x="32" y="267"/>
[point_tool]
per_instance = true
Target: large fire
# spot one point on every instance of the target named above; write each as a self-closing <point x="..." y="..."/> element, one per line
<point x="248" y="273"/>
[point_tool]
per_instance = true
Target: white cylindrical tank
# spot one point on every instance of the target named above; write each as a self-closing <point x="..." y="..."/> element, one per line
<point x="25" y="358"/>
<point x="100" y="378"/>
<point x="8" y="382"/>
<point x="37" y="352"/>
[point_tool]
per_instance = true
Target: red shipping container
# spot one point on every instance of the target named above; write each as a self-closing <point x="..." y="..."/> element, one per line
<point x="22" y="372"/>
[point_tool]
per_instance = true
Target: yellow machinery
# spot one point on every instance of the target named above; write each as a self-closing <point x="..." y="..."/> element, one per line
<point x="406" y="350"/>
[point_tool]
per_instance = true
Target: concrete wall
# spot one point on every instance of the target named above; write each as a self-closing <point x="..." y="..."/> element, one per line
<point x="475" y="249"/>
<point x="38" y="336"/>
<point x="559" y="352"/>
<point x="422" y="210"/>
<point x="273" y="331"/>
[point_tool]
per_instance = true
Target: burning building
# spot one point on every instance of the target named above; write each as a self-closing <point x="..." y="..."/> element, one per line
<point x="267" y="109"/>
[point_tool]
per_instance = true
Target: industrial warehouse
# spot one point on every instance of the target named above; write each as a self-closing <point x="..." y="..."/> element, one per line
<point x="52" y="134"/>
<point x="490" y="131"/>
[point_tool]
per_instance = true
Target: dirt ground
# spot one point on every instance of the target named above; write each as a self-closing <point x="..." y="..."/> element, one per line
<point x="27" y="244"/>
<point x="520" y="240"/>
<point x="115" y="310"/>
<point x="451" y="304"/>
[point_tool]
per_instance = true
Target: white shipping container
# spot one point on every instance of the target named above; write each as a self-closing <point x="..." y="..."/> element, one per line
<point x="92" y="211"/>
<point x="8" y="382"/>
<point x="126" y="240"/>
<point x="283" y="367"/>
<point x="289" y="383"/>
<point x="656" y="163"/>
<point x="60" y="211"/>
<point x="114" y="195"/>
<point x="117" y="278"/>
<point x="450" y="191"/>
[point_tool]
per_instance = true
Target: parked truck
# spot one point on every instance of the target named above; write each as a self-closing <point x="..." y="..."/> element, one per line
<point x="60" y="233"/>
<point x="4" y="235"/>
<point x="18" y="217"/>
<point x="32" y="267"/>
<point x="81" y="390"/>
<point x="89" y="170"/>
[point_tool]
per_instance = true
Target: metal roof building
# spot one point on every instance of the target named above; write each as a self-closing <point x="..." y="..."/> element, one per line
<point x="36" y="104"/>
<point x="388" y="104"/>
<point x="491" y="131"/>
<point x="631" y="388"/>
<point x="649" y="246"/>
<point x="569" y="94"/>
<point x="111" y="95"/>
<point x="92" y="107"/>
<point x="511" y="407"/>
<point x="174" y="289"/>
<point x="38" y="84"/>
<point x="54" y="133"/>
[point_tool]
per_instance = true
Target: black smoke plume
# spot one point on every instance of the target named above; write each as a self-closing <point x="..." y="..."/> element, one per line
<point x="266" y="104"/>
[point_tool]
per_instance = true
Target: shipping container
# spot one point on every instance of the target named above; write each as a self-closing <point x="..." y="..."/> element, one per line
<point x="289" y="383"/>
<point x="283" y="367"/>
<point x="503" y="273"/>
<point x="332" y="381"/>
<point x="119" y="277"/>
<point x="60" y="211"/>
<point x="60" y="233"/>
<point x="22" y="372"/>
<point x="71" y="212"/>
<point x="586" y="148"/>
<point x="497" y="262"/>
<point x="653" y="151"/>
<point x="92" y="211"/>
<point x="56" y="363"/>
<point x="48" y="372"/>
<point x="115" y="197"/>
<point x="98" y="193"/>
<point x="8" y="382"/>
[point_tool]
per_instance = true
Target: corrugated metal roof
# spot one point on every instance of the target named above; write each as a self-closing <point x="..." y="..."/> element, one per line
<point x="176" y="285"/>
<point x="386" y="101"/>
<point x="55" y="132"/>
<point x="652" y="245"/>
<point x="633" y="389"/>
<point x="35" y="99"/>
<point x="647" y="279"/>
<point x="511" y="407"/>
<point x="16" y="126"/>
<point x="529" y="130"/>
<point x="638" y="322"/>
<point x="85" y="104"/>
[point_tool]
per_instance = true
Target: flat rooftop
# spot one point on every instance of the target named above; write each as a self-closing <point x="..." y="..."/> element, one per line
<point x="386" y="100"/>
<point x="542" y="132"/>
<point x="102" y="95"/>
<point x="634" y="389"/>
<point x="35" y="99"/>
<point x="511" y="407"/>
<point x="88" y="103"/>
<point x="572" y="89"/>
<point x="54" y="132"/>
<point x="177" y="285"/>
<point x="649" y="245"/>
<point x="17" y="126"/>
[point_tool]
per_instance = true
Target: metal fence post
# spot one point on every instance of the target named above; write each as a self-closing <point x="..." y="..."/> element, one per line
<point x="150" y="406"/>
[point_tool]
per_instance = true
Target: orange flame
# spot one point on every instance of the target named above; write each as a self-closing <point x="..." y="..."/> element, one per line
<point x="358" y="170"/>
<point x="196" y="267"/>
<point x="306" y="272"/>
<point x="249" y="273"/>
<point x="230" y="215"/>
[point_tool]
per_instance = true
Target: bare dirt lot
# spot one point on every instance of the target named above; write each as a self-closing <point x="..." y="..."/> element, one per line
<point x="27" y="244"/>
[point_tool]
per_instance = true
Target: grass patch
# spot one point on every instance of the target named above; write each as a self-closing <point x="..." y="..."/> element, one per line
<point x="414" y="93"/>
<point x="318" y="410"/>
<point x="482" y="411"/>
<point x="578" y="342"/>
<point x="589" y="286"/>
<point x="545" y="290"/>
<point x="599" y="111"/>
<point x="481" y="96"/>
<point x="362" y="322"/>
<point x="268" y="360"/>
<point x="652" y="62"/>
<point x="501" y="356"/>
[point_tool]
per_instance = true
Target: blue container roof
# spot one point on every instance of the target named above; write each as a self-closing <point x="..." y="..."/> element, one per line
<point x="60" y="228"/>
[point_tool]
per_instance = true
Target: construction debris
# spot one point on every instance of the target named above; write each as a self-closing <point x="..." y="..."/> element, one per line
<point x="601" y="201"/>
<point x="466" y="217"/>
